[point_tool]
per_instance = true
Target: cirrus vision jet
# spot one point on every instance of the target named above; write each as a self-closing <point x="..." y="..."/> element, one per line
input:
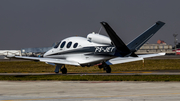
<point x="96" y="49"/>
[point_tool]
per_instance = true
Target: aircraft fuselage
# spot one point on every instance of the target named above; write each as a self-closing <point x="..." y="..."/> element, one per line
<point x="81" y="50"/>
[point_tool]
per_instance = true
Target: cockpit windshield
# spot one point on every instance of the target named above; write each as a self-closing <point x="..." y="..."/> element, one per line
<point x="56" y="46"/>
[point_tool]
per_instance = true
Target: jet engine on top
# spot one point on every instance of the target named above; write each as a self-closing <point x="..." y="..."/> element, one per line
<point x="97" y="38"/>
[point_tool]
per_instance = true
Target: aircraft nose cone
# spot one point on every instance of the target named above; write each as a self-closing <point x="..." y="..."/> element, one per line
<point x="48" y="53"/>
<point x="45" y="54"/>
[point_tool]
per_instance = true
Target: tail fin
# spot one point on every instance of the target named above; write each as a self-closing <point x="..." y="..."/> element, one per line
<point x="119" y="44"/>
<point x="133" y="46"/>
<point x="144" y="37"/>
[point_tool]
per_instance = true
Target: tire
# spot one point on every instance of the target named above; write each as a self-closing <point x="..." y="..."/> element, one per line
<point x="100" y="66"/>
<point x="64" y="70"/>
<point x="108" y="69"/>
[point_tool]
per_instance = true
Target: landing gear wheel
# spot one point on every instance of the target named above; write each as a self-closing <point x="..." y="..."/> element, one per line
<point x="108" y="69"/>
<point x="100" y="66"/>
<point x="64" y="70"/>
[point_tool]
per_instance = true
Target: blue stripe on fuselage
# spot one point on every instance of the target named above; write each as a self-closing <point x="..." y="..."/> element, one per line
<point x="97" y="50"/>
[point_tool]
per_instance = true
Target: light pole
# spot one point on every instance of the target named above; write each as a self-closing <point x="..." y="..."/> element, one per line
<point x="175" y="41"/>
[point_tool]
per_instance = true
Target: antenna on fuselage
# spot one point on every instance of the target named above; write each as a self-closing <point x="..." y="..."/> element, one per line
<point x="100" y="29"/>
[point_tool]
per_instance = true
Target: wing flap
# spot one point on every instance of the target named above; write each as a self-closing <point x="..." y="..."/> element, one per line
<point x="49" y="60"/>
<point x="151" y="55"/>
<point x="119" y="60"/>
<point x="27" y="58"/>
<point x="59" y="61"/>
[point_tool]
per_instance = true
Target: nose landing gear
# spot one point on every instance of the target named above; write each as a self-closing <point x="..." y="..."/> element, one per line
<point x="63" y="70"/>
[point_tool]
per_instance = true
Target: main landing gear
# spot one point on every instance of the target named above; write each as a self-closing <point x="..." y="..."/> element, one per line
<point x="106" y="67"/>
<point x="58" y="67"/>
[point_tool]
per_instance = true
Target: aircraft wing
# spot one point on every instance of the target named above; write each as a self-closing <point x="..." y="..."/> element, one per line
<point x="151" y="55"/>
<point x="49" y="60"/>
<point x="119" y="60"/>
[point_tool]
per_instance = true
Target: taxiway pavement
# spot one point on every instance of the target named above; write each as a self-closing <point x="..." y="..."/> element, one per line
<point x="160" y="72"/>
<point x="88" y="91"/>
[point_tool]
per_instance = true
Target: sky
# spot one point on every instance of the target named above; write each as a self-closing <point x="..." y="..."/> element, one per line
<point x="40" y="23"/>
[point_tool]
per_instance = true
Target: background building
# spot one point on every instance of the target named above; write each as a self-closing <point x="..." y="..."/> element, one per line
<point x="155" y="48"/>
<point x="161" y="46"/>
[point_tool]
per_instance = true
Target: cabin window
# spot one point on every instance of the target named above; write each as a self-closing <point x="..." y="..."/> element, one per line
<point x="56" y="46"/>
<point x="75" y="45"/>
<point x="62" y="45"/>
<point x="69" y="44"/>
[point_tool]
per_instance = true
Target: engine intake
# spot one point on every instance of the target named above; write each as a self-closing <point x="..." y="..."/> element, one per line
<point x="97" y="38"/>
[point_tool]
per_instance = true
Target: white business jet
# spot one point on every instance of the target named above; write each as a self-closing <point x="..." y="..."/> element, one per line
<point x="96" y="49"/>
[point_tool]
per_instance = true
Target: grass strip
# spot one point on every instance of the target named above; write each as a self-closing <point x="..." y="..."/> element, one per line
<point x="90" y="78"/>
<point x="40" y="67"/>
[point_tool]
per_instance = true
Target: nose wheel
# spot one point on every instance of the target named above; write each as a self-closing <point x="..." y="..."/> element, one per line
<point x="59" y="67"/>
<point x="64" y="70"/>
